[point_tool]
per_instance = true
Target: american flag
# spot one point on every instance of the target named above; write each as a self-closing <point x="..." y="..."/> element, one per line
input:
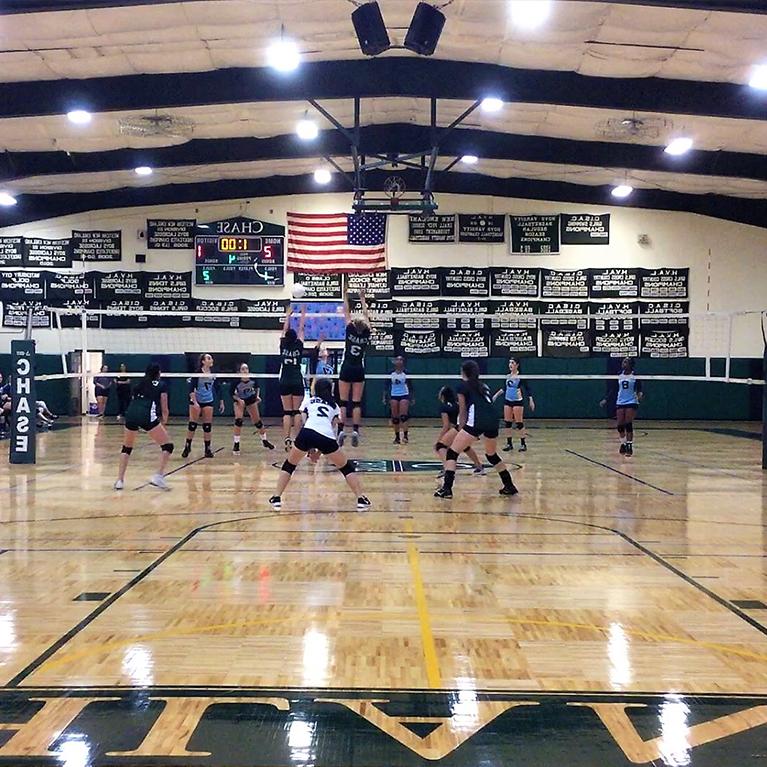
<point x="336" y="242"/>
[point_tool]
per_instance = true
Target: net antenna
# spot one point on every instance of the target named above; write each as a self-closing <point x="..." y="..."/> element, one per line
<point x="397" y="198"/>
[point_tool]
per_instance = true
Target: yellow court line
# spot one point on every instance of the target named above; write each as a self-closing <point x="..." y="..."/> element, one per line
<point x="427" y="637"/>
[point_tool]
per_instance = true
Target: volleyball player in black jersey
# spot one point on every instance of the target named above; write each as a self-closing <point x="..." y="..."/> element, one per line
<point x="245" y="395"/>
<point x="477" y="419"/>
<point x="291" y="378"/>
<point x="144" y="412"/>
<point x="448" y="411"/>
<point x="351" y="379"/>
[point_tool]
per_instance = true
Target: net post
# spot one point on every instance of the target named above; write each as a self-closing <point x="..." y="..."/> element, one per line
<point x="61" y="343"/>
<point x="84" y="363"/>
<point x="23" y="402"/>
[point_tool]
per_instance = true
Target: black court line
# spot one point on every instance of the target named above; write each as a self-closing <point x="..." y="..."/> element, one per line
<point x="741" y="433"/>
<point x="52" y="649"/>
<point x="622" y="473"/>
<point x="183" y="466"/>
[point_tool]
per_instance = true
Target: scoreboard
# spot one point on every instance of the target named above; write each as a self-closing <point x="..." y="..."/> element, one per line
<point x="239" y="260"/>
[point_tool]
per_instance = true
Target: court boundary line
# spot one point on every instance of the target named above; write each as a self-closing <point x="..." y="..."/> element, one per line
<point x="618" y="471"/>
<point x="179" y="468"/>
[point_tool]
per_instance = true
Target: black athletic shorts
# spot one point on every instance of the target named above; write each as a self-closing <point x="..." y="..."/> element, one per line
<point x="399" y="397"/>
<point x="101" y="391"/>
<point x="515" y="403"/>
<point x="295" y="389"/>
<point x="308" y="439"/>
<point x="633" y="406"/>
<point x="352" y="374"/>
<point x="250" y="401"/>
<point x="145" y="425"/>
<point x="475" y="432"/>
<point x="202" y="405"/>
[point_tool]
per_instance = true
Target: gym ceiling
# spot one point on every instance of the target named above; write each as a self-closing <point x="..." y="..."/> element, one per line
<point x="592" y="96"/>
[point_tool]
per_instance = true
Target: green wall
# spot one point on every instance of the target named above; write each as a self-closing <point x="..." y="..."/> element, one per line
<point x="664" y="400"/>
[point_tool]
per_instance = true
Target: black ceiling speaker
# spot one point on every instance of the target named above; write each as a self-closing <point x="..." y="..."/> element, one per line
<point x="425" y="29"/>
<point x="370" y="28"/>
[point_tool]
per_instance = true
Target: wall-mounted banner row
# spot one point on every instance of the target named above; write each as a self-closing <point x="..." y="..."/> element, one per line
<point x="530" y="234"/>
<point x="39" y="252"/>
<point x="523" y="282"/>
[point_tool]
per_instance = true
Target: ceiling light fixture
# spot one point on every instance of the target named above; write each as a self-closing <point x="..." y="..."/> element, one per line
<point x="7" y="199"/>
<point x="143" y="170"/>
<point x="322" y="176"/>
<point x="529" y="14"/>
<point x="622" y="191"/>
<point x="470" y="159"/>
<point x="283" y="55"/>
<point x="79" y="117"/>
<point x="307" y="130"/>
<point x="759" y="78"/>
<point x="679" y="145"/>
<point x="491" y="104"/>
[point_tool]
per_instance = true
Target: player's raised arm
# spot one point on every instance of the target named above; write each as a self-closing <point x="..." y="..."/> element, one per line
<point x="301" y="323"/>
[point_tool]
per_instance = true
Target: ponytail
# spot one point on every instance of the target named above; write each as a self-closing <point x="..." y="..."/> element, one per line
<point x="471" y="370"/>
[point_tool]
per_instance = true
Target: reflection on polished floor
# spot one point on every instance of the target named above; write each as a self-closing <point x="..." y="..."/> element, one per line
<point x="615" y="612"/>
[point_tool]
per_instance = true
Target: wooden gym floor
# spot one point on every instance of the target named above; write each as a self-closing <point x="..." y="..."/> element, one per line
<point x="607" y="582"/>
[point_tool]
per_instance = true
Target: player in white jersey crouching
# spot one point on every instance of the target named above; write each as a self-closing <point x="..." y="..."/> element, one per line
<point x="320" y="412"/>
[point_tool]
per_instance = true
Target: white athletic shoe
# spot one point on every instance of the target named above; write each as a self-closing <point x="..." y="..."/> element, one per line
<point x="341" y="438"/>
<point x="119" y="485"/>
<point x="159" y="481"/>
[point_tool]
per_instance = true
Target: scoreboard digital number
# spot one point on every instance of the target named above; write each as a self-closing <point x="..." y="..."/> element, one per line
<point x="239" y="260"/>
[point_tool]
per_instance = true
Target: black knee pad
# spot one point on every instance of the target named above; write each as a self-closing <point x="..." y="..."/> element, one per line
<point x="520" y="425"/>
<point x="238" y="422"/>
<point x="395" y="421"/>
<point x="127" y="450"/>
<point x="439" y="446"/>
<point x="451" y="455"/>
<point x="493" y="459"/>
<point x="355" y="403"/>
<point x="621" y="430"/>
<point x="259" y="424"/>
<point x="508" y="424"/>
<point x="347" y="468"/>
<point x="288" y="467"/>
<point x="192" y="426"/>
<point x="404" y="418"/>
<point x="167" y="448"/>
<point x="206" y="427"/>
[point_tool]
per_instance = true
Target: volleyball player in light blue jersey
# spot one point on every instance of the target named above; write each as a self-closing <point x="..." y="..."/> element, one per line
<point x="203" y="390"/>
<point x="400" y="393"/>
<point x="627" y="400"/>
<point x="515" y="392"/>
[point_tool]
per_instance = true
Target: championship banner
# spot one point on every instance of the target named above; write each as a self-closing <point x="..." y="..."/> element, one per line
<point x="466" y="315"/>
<point x="665" y="344"/>
<point x="121" y="321"/>
<point x="23" y="402"/>
<point x="585" y="229"/>
<point x="566" y="342"/>
<point x="409" y="315"/>
<point x="97" y="246"/>
<point x="416" y="281"/>
<point x="219" y="309"/>
<point x="167" y="285"/>
<point x="258" y="311"/>
<point x="179" y="306"/>
<point x="468" y="344"/>
<point x="417" y="343"/>
<point x="528" y="309"/>
<point x="170" y="234"/>
<point x="614" y="283"/>
<point x="567" y="314"/>
<point x="375" y="283"/>
<point x="381" y="342"/>
<point x="567" y="284"/>
<point x="509" y="282"/>
<point x="39" y="252"/>
<point x="662" y="314"/>
<point x="118" y="286"/>
<point x="465" y="281"/>
<point x="438" y="228"/>
<point x="15" y="314"/>
<point x="320" y="286"/>
<point x="534" y="234"/>
<point x="514" y="343"/>
<point x="16" y="285"/>
<point x="601" y="322"/>
<point x="615" y="343"/>
<point x="664" y="283"/>
<point x="481" y="227"/>
<point x="12" y="251"/>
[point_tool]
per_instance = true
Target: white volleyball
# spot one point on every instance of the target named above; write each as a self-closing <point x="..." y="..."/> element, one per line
<point x="299" y="291"/>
